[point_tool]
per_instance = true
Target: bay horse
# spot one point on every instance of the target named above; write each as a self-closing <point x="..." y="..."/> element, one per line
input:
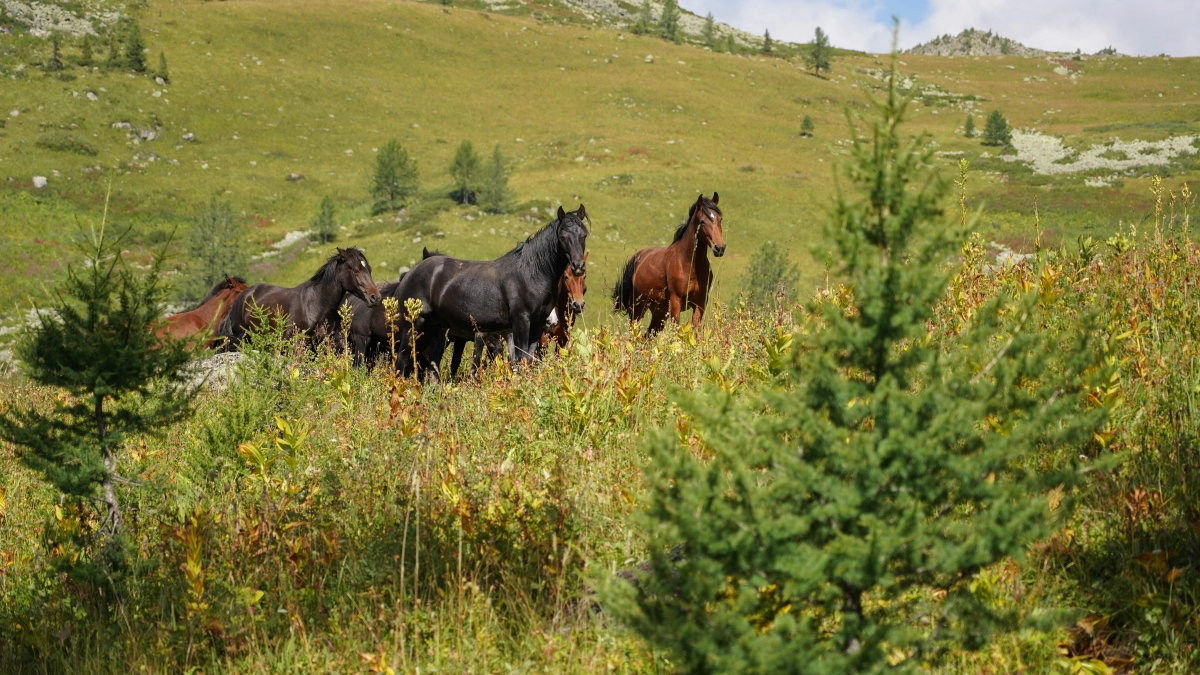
<point x="570" y="304"/>
<point x="666" y="280"/>
<point x="206" y="316"/>
<point x="312" y="304"/>
<point x="513" y="293"/>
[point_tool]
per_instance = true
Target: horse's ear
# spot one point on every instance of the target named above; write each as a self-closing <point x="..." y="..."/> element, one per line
<point x="585" y="256"/>
<point x="716" y="198"/>
<point x="561" y="213"/>
<point x="341" y="253"/>
<point x="424" y="252"/>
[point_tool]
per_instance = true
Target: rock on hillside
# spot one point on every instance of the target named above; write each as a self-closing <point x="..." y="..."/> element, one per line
<point x="972" y="42"/>
<point x="625" y="13"/>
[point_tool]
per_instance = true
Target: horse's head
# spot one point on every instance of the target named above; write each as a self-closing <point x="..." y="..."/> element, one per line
<point x="572" y="236"/>
<point x="235" y="285"/>
<point x="355" y="274"/>
<point x="575" y="285"/>
<point x="706" y="216"/>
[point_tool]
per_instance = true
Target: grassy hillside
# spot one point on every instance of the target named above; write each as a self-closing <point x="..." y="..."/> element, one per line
<point x="314" y="87"/>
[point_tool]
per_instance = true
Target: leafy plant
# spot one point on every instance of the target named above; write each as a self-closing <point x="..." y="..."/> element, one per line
<point x="880" y="474"/>
<point x="770" y="279"/>
<point x="61" y="141"/>
<point x="645" y="20"/>
<point x="807" y="127"/>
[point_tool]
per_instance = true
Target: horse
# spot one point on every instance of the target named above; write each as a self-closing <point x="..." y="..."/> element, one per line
<point x="668" y="279"/>
<point x="513" y="293"/>
<point x="569" y="305"/>
<point x="312" y="304"/>
<point x="206" y="316"/>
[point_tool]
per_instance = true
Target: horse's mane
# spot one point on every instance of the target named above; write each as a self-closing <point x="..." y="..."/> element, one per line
<point x="329" y="269"/>
<point x="706" y="203"/>
<point x="540" y="249"/>
<point x="217" y="288"/>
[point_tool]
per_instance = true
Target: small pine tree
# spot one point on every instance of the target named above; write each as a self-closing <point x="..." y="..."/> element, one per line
<point x="396" y="178"/>
<point x="464" y="169"/>
<point x="324" y="225"/>
<point x="645" y="19"/>
<point x="114" y="48"/>
<point x="730" y="44"/>
<point x="996" y="130"/>
<point x="668" y="21"/>
<point x="55" y="62"/>
<point x="767" y="46"/>
<point x="877" y="470"/>
<point x="807" y="127"/>
<point x="819" y="55"/>
<point x="214" y="248"/>
<point x="770" y="278"/>
<point x="163" y="73"/>
<point x="85" y="52"/>
<point x="97" y="343"/>
<point x="969" y="127"/>
<point x="135" y="47"/>
<point x="494" y="193"/>
<point x="710" y="31"/>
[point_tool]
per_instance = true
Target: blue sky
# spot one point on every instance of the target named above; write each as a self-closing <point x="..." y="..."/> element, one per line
<point x="1141" y="27"/>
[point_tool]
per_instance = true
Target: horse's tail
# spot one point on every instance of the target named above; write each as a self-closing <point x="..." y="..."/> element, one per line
<point x="226" y="328"/>
<point x="622" y="293"/>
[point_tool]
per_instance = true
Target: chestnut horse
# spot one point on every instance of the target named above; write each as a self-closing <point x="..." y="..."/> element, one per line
<point x="569" y="304"/>
<point x="206" y="316"/>
<point x="668" y="279"/>
<point x="310" y="306"/>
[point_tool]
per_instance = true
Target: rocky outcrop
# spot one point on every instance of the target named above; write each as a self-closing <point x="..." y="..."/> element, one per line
<point x="973" y="42"/>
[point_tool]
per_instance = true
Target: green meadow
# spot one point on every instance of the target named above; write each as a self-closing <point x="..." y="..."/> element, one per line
<point x="632" y="126"/>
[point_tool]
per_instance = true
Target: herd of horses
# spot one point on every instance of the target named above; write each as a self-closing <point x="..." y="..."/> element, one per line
<point x="521" y="303"/>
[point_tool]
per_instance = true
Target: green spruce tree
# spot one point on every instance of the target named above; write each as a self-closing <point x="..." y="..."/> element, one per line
<point x="668" y="21"/>
<point x="396" y="178"/>
<point x="730" y="44"/>
<point x="114" y="48"/>
<point x="163" y="73"/>
<point x="55" y="61"/>
<point x="807" y="127"/>
<point x="878" y="470"/>
<point x="709" y="35"/>
<point x="767" y="45"/>
<point x="494" y="193"/>
<point x="85" y="52"/>
<point x="135" y="47"/>
<point x="819" y="55"/>
<point x="216" y="247"/>
<point x="996" y="130"/>
<point x="97" y="343"/>
<point x="770" y="279"/>
<point x="645" y="20"/>
<point x="465" y="171"/>
<point x="969" y="127"/>
<point x="324" y="225"/>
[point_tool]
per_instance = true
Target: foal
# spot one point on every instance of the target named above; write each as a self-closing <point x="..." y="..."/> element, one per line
<point x="206" y="316"/>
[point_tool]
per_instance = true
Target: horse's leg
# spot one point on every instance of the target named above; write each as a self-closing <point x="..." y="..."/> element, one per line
<point x="456" y="356"/>
<point x="657" y="319"/>
<point x="675" y="306"/>
<point x="523" y="344"/>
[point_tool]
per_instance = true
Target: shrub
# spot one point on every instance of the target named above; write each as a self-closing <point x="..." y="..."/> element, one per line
<point x="163" y="73"/>
<point x="61" y="141"/>
<point x="214" y="248"/>
<point x="395" y="180"/>
<point x="770" y="278"/>
<point x="465" y="170"/>
<point x="709" y="34"/>
<point x="324" y="225"/>
<point x="807" y="127"/>
<point x="85" y="52"/>
<point x="877" y="472"/>
<point x="645" y="19"/>
<point x="996" y="130"/>
<point x="969" y="127"/>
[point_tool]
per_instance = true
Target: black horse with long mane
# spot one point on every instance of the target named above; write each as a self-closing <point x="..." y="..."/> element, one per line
<point x="513" y="293"/>
<point x="311" y="305"/>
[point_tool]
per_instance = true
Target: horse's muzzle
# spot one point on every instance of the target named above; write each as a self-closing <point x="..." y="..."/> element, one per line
<point x="719" y="251"/>
<point x="372" y="299"/>
<point x="578" y="270"/>
<point x="577" y="307"/>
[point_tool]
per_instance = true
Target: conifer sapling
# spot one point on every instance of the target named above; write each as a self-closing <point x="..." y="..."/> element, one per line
<point x="879" y="471"/>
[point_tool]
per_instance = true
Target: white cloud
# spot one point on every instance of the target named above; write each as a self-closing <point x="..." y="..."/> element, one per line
<point x="1147" y="27"/>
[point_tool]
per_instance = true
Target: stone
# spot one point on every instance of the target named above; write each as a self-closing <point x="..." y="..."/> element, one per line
<point x="40" y="182"/>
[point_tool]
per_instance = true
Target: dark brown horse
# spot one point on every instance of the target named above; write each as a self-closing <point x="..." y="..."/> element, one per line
<point x="569" y="305"/>
<point x="206" y="316"/>
<point x="311" y="305"/>
<point x="669" y="279"/>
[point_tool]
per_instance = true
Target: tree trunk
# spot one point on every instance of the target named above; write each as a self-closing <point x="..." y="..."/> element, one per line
<point x="113" y="519"/>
